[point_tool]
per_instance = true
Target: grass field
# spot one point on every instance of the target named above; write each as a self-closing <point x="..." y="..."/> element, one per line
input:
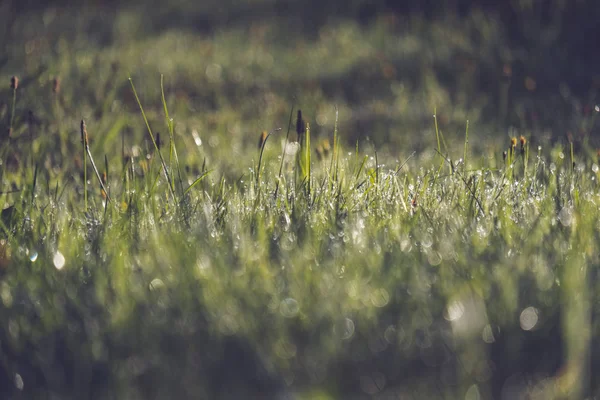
<point x="173" y="227"/>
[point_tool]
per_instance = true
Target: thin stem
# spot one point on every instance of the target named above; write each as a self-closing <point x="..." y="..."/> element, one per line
<point x="287" y="136"/>
<point x="84" y="144"/>
<point x="86" y="147"/>
<point x="162" y="160"/>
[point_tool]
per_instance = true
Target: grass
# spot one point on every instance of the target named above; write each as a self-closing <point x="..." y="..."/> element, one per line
<point x="425" y="265"/>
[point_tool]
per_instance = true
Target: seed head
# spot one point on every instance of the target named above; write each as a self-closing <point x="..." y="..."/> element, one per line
<point x="84" y="135"/>
<point x="262" y="139"/>
<point x="104" y="180"/>
<point x="14" y="82"/>
<point x="414" y="202"/>
<point x="513" y="144"/>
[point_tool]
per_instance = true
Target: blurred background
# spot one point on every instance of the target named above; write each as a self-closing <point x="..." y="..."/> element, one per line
<point x="523" y="65"/>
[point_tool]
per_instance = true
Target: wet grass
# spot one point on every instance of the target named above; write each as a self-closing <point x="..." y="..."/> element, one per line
<point x="364" y="248"/>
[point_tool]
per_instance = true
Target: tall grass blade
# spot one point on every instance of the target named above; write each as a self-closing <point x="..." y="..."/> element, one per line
<point x="162" y="160"/>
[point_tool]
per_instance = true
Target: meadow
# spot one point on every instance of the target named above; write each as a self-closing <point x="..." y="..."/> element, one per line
<point x="254" y="200"/>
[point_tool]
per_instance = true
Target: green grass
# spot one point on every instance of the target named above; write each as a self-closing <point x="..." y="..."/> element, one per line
<point x="369" y="258"/>
<point x="409" y="263"/>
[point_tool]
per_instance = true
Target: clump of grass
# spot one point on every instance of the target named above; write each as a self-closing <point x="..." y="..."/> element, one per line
<point x="308" y="278"/>
<point x="153" y="139"/>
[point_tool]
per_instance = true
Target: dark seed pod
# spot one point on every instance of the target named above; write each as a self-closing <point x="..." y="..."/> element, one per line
<point x="84" y="135"/>
<point x="300" y="126"/>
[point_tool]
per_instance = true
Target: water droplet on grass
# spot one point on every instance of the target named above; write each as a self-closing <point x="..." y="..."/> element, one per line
<point x="565" y="216"/>
<point x="488" y="334"/>
<point x="405" y="245"/>
<point x="427" y="241"/>
<point x="345" y="329"/>
<point x="390" y="334"/>
<point x="197" y="139"/>
<point x="289" y="307"/>
<point x="33" y="255"/>
<point x="529" y="318"/>
<point x="156" y="284"/>
<point x="59" y="260"/>
<point x="380" y="297"/>
<point x="434" y="258"/>
<point x="19" y="382"/>
<point x="454" y="311"/>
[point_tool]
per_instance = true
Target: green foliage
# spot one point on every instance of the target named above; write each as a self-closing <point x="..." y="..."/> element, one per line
<point x="302" y="276"/>
<point x="425" y="265"/>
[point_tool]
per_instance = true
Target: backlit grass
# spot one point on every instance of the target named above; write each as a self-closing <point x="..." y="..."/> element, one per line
<point x="387" y="241"/>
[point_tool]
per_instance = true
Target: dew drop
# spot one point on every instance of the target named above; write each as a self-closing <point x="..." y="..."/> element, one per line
<point x="488" y="334"/>
<point x="380" y="298"/>
<point x="197" y="139"/>
<point x="156" y="284"/>
<point x="565" y="216"/>
<point x="289" y="307"/>
<point x="345" y="329"/>
<point x="454" y="311"/>
<point x="59" y="260"/>
<point x="19" y="382"/>
<point x="33" y="255"/>
<point x="427" y="241"/>
<point x="529" y="318"/>
<point x="434" y="258"/>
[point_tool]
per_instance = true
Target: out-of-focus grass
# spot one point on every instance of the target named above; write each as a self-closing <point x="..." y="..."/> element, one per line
<point x="366" y="277"/>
